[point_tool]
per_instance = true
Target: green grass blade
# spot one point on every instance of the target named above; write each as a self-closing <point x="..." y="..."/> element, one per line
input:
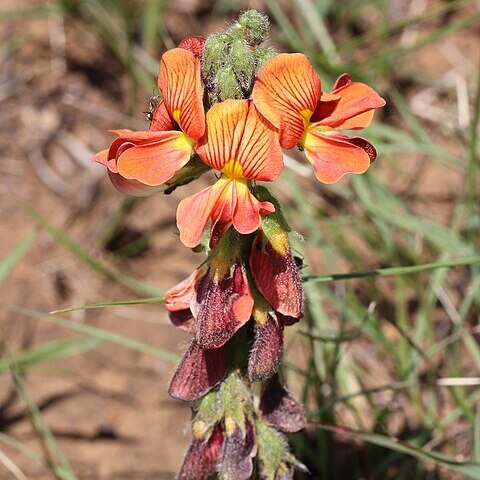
<point x="23" y="449"/>
<point x="56" y="460"/>
<point x="49" y="351"/>
<point x="472" y="469"/>
<point x="97" y="333"/>
<point x="386" y="272"/>
<point x="8" y="262"/>
<point x="95" y="265"/>
<point x="93" y="306"/>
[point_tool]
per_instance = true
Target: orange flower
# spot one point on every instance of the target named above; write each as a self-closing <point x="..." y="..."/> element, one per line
<point x="288" y="93"/>
<point x="243" y="146"/>
<point x="139" y="160"/>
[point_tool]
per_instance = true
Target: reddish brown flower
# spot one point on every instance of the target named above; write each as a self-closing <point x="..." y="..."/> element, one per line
<point x="223" y="301"/>
<point x="280" y="408"/>
<point x="274" y="269"/>
<point x="198" y="372"/>
<point x="201" y="459"/>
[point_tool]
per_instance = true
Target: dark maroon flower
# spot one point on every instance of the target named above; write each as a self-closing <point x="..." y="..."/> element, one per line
<point x="279" y="408"/>
<point x="201" y="459"/>
<point x="198" y="372"/>
<point x="223" y="301"/>
<point x="267" y="346"/>
<point x="236" y="463"/>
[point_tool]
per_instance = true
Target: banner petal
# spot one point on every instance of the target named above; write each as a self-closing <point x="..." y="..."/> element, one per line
<point x="180" y="84"/>
<point x="286" y="93"/>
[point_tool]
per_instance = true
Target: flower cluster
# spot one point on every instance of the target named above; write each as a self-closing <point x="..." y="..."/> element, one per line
<point x="230" y="105"/>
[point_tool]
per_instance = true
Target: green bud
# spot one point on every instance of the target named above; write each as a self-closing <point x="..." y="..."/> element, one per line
<point x="262" y="55"/>
<point x="255" y="26"/>
<point x="209" y="413"/>
<point x="272" y="450"/>
<point x="227" y="84"/>
<point x="243" y="63"/>
<point x="215" y="52"/>
<point x="236" y="400"/>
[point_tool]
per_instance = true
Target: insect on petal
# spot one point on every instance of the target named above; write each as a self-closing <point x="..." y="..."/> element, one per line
<point x="180" y="84"/>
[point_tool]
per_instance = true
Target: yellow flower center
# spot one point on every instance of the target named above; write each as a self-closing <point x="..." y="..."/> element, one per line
<point x="233" y="169"/>
<point x="176" y="117"/>
<point x="313" y="126"/>
<point x="306" y="115"/>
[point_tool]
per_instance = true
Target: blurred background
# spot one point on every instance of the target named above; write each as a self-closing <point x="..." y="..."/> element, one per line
<point x="380" y="358"/>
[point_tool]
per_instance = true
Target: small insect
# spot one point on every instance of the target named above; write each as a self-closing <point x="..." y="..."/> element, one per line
<point x="152" y="106"/>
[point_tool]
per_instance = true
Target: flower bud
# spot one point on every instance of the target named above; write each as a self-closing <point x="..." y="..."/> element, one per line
<point x="243" y="64"/>
<point x="255" y="26"/>
<point x="261" y="55"/>
<point x="267" y="346"/>
<point x="280" y="408"/>
<point x="228" y="85"/>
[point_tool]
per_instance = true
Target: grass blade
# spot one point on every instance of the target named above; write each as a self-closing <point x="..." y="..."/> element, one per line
<point x="49" y="351"/>
<point x="93" y="306"/>
<point x="386" y="272"/>
<point x="95" y="265"/>
<point x="8" y="262"/>
<point x="97" y="333"/>
<point x="472" y="469"/>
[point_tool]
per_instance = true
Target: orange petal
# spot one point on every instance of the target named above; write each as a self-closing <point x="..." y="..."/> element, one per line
<point x="133" y="188"/>
<point x="354" y="109"/>
<point x="193" y="212"/>
<point x="180" y="84"/>
<point x="248" y="210"/>
<point x="239" y="136"/>
<point x="156" y="162"/>
<point x="286" y="92"/>
<point x="333" y="155"/>
<point x="161" y="119"/>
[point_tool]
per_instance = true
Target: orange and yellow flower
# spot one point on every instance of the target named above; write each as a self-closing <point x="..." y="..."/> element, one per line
<point x="288" y="93"/>
<point x="139" y="160"/>
<point x="243" y="146"/>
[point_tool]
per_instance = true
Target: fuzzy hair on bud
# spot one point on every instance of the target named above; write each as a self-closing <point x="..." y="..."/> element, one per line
<point x="255" y="26"/>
